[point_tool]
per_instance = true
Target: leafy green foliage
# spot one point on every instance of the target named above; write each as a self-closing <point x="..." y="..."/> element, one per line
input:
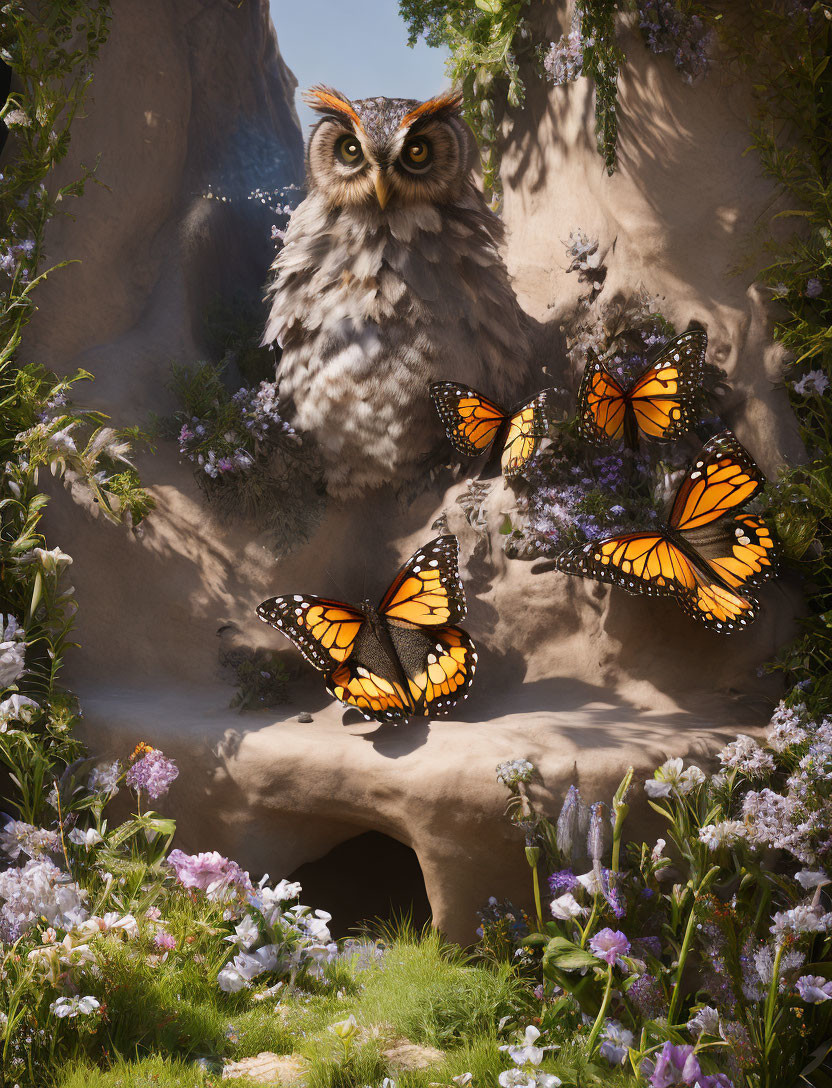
<point x="602" y="60"/>
<point x="485" y="38"/>
<point x="787" y="52"/>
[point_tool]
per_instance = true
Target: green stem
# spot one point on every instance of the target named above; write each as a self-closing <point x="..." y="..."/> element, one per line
<point x="686" y="943"/>
<point x="587" y="928"/>
<point x="602" y="1013"/>
<point x="537" y="903"/>
<point x="771" y="1004"/>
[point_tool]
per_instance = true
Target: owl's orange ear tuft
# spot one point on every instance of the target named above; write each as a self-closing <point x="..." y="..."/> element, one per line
<point x="442" y="104"/>
<point x="327" y="100"/>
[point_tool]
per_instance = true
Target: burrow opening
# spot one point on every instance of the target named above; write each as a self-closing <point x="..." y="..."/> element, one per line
<point x="367" y="877"/>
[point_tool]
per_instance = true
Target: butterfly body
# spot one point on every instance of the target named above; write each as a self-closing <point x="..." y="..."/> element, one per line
<point x="657" y="404"/>
<point x="473" y="424"/>
<point x="402" y="658"/>
<point x="708" y="555"/>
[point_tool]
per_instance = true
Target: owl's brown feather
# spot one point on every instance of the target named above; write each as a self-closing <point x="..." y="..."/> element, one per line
<point x="371" y="305"/>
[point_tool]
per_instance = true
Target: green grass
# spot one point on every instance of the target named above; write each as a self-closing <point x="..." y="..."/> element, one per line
<point x="165" y="1019"/>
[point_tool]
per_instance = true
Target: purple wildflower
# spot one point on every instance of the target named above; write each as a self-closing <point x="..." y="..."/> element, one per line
<point x="209" y="872"/>
<point x="609" y="945"/>
<point x="814" y="287"/>
<point x="647" y="996"/>
<point x="165" y="940"/>
<point x="564" y="880"/>
<point x="673" y="1065"/>
<point x="814" y="989"/>
<point x="154" y="773"/>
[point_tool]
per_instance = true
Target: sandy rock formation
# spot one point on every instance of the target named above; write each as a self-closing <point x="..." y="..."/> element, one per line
<point x="581" y="679"/>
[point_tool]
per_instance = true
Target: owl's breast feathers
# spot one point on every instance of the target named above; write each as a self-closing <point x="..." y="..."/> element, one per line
<point x="371" y="308"/>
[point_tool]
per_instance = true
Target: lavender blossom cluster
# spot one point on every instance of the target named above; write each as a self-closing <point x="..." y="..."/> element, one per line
<point x="564" y="60"/>
<point x="234" y="448"/>
<point x="684" y="37"/>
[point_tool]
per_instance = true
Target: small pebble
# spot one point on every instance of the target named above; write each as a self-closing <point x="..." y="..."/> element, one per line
<point x="304" y="717"/>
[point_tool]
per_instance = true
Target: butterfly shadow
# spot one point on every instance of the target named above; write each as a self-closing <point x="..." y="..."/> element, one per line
<point x="389" y="740"/>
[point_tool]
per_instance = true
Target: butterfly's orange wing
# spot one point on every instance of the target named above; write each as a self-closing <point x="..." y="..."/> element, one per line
<point x="720" y="609"/>
<point x="662" y="398"/>
<point x="647" y="562"/>
<point x="446" y="672"/>
<point x="602" y="404"/>
<point x="323" y="630"/>
<point x="428" y="591"/>
<point x="471" y="421"/>
<point x="722" y="480"/>
<point x="526" y="427"/>
<point x="374" y="695"/>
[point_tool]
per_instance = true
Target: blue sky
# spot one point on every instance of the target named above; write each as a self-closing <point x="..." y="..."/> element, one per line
<point x="358" y="46"/>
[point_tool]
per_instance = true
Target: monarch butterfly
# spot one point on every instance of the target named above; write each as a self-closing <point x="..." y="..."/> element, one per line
<point x="397" y="660"/>
<point x="708" y="554"/>
<point x="657" y="404"/>
<point x="472" y="423"/>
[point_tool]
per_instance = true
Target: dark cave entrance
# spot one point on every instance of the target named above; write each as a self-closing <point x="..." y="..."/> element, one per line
<point x="370" y="876"/>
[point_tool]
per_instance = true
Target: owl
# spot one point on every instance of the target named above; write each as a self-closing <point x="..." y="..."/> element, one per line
<point x="390" y="278"/>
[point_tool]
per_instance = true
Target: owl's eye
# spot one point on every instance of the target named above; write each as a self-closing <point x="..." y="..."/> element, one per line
<point x="348" y="150"/>
<point x="417" y="155"/>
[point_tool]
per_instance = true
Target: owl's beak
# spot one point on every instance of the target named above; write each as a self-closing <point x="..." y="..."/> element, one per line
<point x="382" y="189"/>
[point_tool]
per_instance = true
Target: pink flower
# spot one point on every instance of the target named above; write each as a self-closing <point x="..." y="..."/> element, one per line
<point x="165" y="940"/>
<point x="209" y="872"/>
<point x="153" y="913"/>
<point x="153" y="773"/>
<point x="609" y="944"/>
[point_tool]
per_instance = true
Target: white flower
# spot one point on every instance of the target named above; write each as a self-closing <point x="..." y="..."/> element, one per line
<point x="668" y="777"/>
<point x="40" y="892"/>
<point x="123" y="923"/>
<point x="616" y="1041"/>
<point x="810" y="878"/>
<point x="746" y="755"/>
<point x="87" y="839"/>
<point x="17" y="117"/>
<point x="724" y="833"/>
<point x="591" y="882"/>
<point x="691" y="778"/>
<point x="801" y="919"/>
<point x="463" y="1079"/>
<point x="287" y="889"/>
<point x="705" y="1022"/>
<point x="17" y="707"/>
<point x="74" y="1006"/>
<point x="54" y="561"/>
<point x="513" y="771"/>
<point x="62" y="441"/>
<point x="658" y="850"/>
<point x="12" y="662"/>
<point x="246" y="966"/>
<point x="345" y="1029"/>
<point x="516" y="1078"/>
<point x="815" y="382"/>
<point x="104" y="777"/>
<point x="785" y="728"/>
<point x="526" y="1053"/>
<point x="246" y="933"/>
<point x="18" y="837"/>
<point x="230" y="980"/>
<point x="565" y="907"/>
